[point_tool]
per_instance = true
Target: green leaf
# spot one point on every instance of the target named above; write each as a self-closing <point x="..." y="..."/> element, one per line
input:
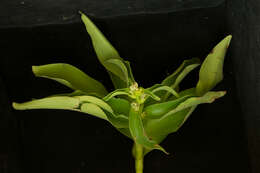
<point x="160" y="94"/>
<point x="175" y="78"/>
<point x="71" y="77"/>
<point x="119" y="105"/>
<point x="138" y="133"/>
<point x="186" y="92"/>
<point x="105" y="51"/>
<point x="71" y="94"/>
<point x="130" y="73"/>
<point x="117" y="67"/>
<point x="209" y="97"/>
<point x="158" y="110"/>
<point x="211" y="71"/>
<point x="59" y="102"/>
<point x="96" y="101"/>
<point x="123" y="91"/>
<point x="117" y="120"/>
<point x="117" y="82"/>
<point x="93" y="109"/>
<point x="166" y="88"/>
<point x="158" y="129"/>
<point x="152" y="95"/>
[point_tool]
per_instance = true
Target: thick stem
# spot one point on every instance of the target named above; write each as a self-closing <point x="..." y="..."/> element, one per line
<point x="139" y="158"/>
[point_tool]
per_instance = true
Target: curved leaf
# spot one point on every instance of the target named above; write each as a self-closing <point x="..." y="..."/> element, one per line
<point x="118" y="67"/>
<point x="158" y="129"/>
<point x="71" y="94"/>
<point x="209" y="97"/>
<point x="211" y="71"/>
<point x="138" y="133"/>
<point x="186" y="92"/>
<point x="160" y="94"/>
<point x="119" y="105"/>
<point x="158" y="110"/>
<point x="93" y="109"/>
<point x="166" y="88"/>
<point x="152" y="95"/>
<point x="119" y="121"/>
<point x="105" y="51"/>
<point x="70" y="76"/>
<point x="175" y="78"/>
<point x="130" y="73"/>
<point x="59" y="102"/>
<point x="96" y="101"/>
<point x="123" y="91"/>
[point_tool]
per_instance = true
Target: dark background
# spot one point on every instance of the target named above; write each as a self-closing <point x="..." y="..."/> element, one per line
<point x="156" y="36"/>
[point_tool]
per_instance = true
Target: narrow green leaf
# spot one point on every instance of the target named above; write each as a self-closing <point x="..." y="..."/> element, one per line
<point x="119" y="105"/>
<point x="158" y="129"/>
<point x="70" y="76"/>
<point x="209" y="97"/>
<point x="96" y="101"/>
<point x="130" y="73"/>
<point x="117" y="120"/>
<point x="175" y="78"/>
<point x="160" y="94"/>
<point x="94" y="110"/>
<point x="123" y="91"/>
<point x="103" y="48"/>
<point x="117" y="82"/>
<point x="211" y="71"/>
<point x="59" y="102"/>
<point x="186" y="92"/>
<point x="105" y="51"/>
<point x="138" y="133"/>
<point x="118" y="68"/>
<point x="71" y="94"/>
<point x="166" y="88"/>
<point x="152" y="95"/>
<point x="158" y="110"/>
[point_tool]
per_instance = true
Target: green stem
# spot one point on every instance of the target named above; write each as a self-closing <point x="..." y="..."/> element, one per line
<point x="139" y="158"/>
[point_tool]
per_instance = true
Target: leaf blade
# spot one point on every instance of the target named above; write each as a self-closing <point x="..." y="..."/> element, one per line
<point x="138" y="133"/>
<point x="70" y="76"/>
<point x="105" y="51"/>
<point x="211" y="71"/>
<point x="176" y="77"/>
<point x="93" y="109"/>
<point x="96" y="101"/>
<point x="59" y="102"/>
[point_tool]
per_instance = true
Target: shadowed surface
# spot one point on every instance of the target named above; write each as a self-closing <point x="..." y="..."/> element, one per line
<point x="37" y="12"/>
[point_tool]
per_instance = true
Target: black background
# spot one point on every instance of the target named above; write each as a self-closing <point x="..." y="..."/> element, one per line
<point x="156" y="38"/>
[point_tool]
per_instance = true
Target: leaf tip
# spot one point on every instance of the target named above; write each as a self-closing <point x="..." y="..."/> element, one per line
<point x="161" y="148"/>
<point x="34" y="69"/>
<point x="228" y="40"/>
<point x="15" y="105"/>
<point x="223" y="93"/>
<point x="80" y="12"/>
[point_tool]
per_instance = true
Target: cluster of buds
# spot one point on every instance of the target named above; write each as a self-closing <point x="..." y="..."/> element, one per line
<point x="137" y="93"/>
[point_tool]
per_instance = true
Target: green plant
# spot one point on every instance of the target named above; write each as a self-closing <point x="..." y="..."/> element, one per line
<point x="146" y="116"/>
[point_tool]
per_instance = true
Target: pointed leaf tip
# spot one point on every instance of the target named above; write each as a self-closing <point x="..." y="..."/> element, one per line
<point x="71" y="77"/>
<point x="211" y="71"/>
